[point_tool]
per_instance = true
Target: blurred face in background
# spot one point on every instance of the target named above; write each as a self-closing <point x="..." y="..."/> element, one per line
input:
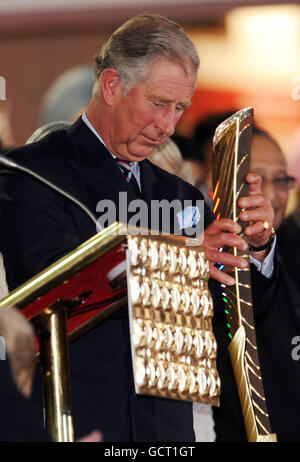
<point x="268" y="161"/>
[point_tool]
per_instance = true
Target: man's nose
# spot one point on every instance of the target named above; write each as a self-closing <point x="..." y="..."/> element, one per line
<point x="166" y="122"/>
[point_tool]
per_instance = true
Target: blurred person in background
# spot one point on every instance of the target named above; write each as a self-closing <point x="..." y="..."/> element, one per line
<point x="20" y="421"/>
<point x="168" y="157"/>
<point x="68" y="96"/>
<point x="7" y="140"/>
<point x="268" y="160"/>
<point x="289" y="232"/>
<point x="191" y="154"/>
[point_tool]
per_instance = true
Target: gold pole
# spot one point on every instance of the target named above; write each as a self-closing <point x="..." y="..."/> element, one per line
<point x="54" y="354"/>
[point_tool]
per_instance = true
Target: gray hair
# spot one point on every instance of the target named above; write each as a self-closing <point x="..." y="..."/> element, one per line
<point x="132" y="49"/>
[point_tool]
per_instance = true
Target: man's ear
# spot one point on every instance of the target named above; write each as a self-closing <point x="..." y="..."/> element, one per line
<point x="110" y="85"/>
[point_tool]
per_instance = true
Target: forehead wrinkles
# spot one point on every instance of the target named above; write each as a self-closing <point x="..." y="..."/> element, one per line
<point x="267" y="155"/>
<point x="169" y="80"/>
<point x="170" y="91"/>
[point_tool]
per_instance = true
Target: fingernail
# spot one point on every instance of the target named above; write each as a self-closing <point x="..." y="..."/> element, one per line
<point x="237" y="228"/>
<point x="229" y="281"/>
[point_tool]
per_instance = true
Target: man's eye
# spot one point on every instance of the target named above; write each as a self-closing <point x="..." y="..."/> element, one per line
<point x="158" y="104"/>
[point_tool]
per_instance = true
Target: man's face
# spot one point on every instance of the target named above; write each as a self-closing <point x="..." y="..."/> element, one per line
<point x="148" y="115"/>
<point x="268" y="161"/>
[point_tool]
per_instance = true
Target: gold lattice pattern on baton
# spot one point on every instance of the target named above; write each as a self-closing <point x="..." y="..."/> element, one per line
<point x="173" y="345"/>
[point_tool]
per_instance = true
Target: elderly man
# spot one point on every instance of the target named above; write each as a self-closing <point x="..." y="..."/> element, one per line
<point x="145" y="77"/>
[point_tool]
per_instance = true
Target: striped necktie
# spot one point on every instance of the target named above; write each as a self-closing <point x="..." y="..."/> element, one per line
<point x="130" y="178"/>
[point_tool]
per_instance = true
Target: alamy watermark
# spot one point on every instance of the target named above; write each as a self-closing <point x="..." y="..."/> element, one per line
<point x="2" y="88"/>
<point x="169" y="217"/>
<point x="296" y="88"/>
<point x="296" y="349"/>
<point x="2" y="349"/>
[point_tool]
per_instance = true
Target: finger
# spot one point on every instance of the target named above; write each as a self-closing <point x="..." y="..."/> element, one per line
<point x="221" y="277"/>
<point x="255" y="182"/>
<point x="224" y="224"/>
<point x="258" y="214"/>
<point x="226" y="259"/>
<point x="257" y="228"/>
<point x="257" y="200"/>
<point x="221" y="240"/>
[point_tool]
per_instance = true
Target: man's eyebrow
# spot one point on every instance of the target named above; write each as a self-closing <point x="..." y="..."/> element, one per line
<point x="167" y="101"/>
<point x="186" y="105"/>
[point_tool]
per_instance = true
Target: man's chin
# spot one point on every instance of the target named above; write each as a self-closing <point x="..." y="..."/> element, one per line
<point x="140" y="154"/>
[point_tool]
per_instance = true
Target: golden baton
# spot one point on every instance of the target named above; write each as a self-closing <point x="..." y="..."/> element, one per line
<point x="230" y="164"/>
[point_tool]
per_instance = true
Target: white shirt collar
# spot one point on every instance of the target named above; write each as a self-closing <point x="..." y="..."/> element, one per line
<point x="88" y="123"/>
<point x="133" y="165"/>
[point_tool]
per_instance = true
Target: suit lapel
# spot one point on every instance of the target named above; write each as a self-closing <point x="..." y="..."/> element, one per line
<point x="153" y="192"/>
<point x="95" y="165"/>
<point x="152" y="188"/>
